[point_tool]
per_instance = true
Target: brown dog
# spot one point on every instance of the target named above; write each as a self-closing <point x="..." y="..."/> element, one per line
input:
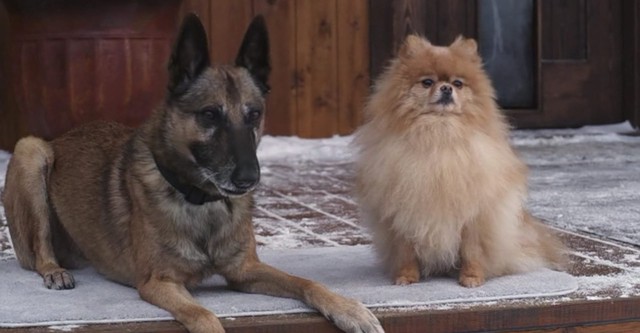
<point x="437" y="180"/>
<point x="168" y="204"/>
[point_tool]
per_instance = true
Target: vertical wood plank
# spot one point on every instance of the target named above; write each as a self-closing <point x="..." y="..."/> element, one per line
<point x="317" y="65"/>
<point x="380" y="34"/>
<point x="229" y="22"/>
<point x="54" y="72"/>
<point x="454" y="17"/>
<point x="410" y="18"/>
<point x="281" y="101"/>
<point x="111" y="77"/>
<point x="11" y="123"/>
<point x="82" y="74"/>
<point x="202" y="8"/>
<point x="353" y="63"/>
<point x="631" y="61"/>
<point x="564" y="36"/>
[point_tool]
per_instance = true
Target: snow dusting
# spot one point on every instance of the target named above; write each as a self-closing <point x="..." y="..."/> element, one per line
<point x="585" y="181"/>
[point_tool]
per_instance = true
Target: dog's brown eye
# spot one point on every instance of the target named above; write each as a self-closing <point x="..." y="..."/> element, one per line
<point x="211" y="112"/>
<point x="210" y="116"/>
<point x="253" y="115"/>
<point x="427" y="83"/>
<point x="457" y="83"/>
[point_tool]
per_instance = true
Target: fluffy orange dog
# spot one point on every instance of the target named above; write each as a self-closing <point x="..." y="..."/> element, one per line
<point x="437" y="180"/>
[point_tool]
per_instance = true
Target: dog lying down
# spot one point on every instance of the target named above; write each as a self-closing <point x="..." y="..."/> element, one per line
<point x="167" y="204"/>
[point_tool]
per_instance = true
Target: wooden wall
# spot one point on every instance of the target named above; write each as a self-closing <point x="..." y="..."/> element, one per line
<point x="319" y="54"/>
<point x="631" y="61"/>
<point x="441" y="21"/>
<point x="11" y="125"/>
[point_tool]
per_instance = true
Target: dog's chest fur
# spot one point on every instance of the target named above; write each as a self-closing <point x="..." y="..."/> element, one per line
<point x="200" y="234"/>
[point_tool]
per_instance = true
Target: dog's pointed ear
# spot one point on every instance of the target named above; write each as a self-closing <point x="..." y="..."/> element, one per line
<point x="412" y="45"/>
<point x="254" y="53"/>
<point x="466" y="46"/>
<point x="190" y="55"/>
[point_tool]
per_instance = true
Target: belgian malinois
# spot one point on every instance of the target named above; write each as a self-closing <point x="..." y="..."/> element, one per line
<point x="167" y="204"/>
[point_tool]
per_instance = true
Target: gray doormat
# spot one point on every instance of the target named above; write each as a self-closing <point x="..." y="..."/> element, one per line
<point x="350" y="271"/>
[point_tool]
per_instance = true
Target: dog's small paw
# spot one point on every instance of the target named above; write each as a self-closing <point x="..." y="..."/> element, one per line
<point x="59" y="279"/>
<point x="471" y="281"/>
<point x="405" y="280"/>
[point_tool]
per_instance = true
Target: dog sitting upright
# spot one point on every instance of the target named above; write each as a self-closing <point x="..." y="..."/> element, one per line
<point x="163" y="206"/>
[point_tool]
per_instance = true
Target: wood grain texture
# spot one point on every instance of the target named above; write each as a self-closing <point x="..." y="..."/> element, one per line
<point x="604" y="316"/>
<point x="11" y="122"/>
<point x="578" y="54"/>
<point x="564" y="33"/>
<point x="202" y="8"/>
<point x="282" y="101"/>
<point x="319" y="55"/>
<point x="409" y="18"/>
<point x="229" y="22"/>
<point x="317" y="67"/>
<point x="438" y="20"/>
<point x="74" y="62"/>
<point x="576" y="92"/>
<point x="353" y="63"/>
<point x="453" y="18"/>
<point x="631" y="61"/>
<point x="381" y="37"/>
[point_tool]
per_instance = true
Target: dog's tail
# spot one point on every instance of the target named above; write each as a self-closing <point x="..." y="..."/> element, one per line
<point x="547" y="244"/>
<point x="26" y="201"/>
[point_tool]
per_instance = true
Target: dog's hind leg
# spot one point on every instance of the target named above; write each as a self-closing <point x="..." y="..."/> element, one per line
<point x="29" y="213"/>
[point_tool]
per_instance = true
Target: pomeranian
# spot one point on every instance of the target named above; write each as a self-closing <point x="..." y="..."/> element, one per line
<point x="436" y="178"/>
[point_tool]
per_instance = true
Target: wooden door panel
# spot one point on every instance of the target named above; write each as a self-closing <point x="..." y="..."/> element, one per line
<point x="578" y="45"/>
<point x="563" y="30"/>
<point x="580" y="64"/>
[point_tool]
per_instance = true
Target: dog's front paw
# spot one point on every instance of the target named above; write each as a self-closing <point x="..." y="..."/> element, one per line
<point x="408" y="274"/>
<point x="471" y="281"/>
<point x="353" y="317"/>
<point x="58" y="279"/>
<point x="205" y="322"/>
<point x="404" y="280"/>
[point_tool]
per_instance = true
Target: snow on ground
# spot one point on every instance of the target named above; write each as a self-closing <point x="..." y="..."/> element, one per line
<point x="585" y="180"/>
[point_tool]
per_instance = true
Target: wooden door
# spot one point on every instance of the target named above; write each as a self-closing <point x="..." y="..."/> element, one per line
<point x="577" y="47"/>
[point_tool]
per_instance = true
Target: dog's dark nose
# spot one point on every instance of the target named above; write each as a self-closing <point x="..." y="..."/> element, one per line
<point x="446" y="89"/>
<point x="245" y="178"/>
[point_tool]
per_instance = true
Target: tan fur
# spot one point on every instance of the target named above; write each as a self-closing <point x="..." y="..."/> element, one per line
<point x="97" y="194"/>
<point x="443" y="177"/>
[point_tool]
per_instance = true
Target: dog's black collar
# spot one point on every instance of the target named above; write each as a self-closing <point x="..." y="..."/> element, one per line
<point x="192" y="194"/>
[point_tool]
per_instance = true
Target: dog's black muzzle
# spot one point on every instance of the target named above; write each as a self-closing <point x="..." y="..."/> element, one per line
<point x="246" y="174"/>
